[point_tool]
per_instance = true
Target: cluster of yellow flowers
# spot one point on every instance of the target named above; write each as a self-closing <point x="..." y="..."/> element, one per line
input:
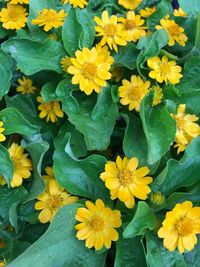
<point x="90" y="70"/>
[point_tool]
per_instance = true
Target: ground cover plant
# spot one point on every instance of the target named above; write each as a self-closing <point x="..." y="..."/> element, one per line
<point x="99" y="133"/>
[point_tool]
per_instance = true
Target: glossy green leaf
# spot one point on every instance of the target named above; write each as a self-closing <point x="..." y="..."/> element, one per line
<point x="33" y="56"/>
<point x="14" y="122"/>
<point x="82" y="36"/>
<point x="191" y="78"/>
<point x="95" y="122"/>
<point x="79" y="177"/>
<point x="143" y="219"/>
<point x="6" y="64"/>
<point x="10" y="197"/>
<point x="130" y="253"/>
<point x="36" y="151"/>
<point x="184" y="172"/>
<point x="180" y="197"/>
<point x="126" y="57"/>
<point x="158" y="255"/>
<point x="59" y="246"/>
<point x="159" y="129"/>
<point x="134" y="142"/>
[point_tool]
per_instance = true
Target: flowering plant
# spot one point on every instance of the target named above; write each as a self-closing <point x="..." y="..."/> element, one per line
<point x="99" y="133"/>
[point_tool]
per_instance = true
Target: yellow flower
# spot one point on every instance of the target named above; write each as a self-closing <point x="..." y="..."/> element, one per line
<point x="132" y="93"/>
<point x="105" y="54"/>
<point x="158" y="95"/>
<point x="117" y="74"/>
<point x="180" y="227"/>
<point x="90" y="70"/>
<point x="157" y="198"/>
<point x="147" y="11"/>
<point x="49" y="18"/>
<point x="125" y="181"/>
<point x="176" y="33"/>
<point x="110" y="29"/>
<point x="14" y="17"/>
<point x="164" y="70"/>
<point x="2" y="136"/>
<point x="76" y="3"/>
<point x="132" y="29"/>
<point x="179" y="13"/>
<point x="50" y="110"/>
<point x="15" y="2"/>
<point x="22" y="164"/>
<point x="51" y="200"/>
<point x="65" y="63"/>
<point x="26" y="86"/>
<point x="97" y="224"/>
<point x="186" y="128"/>
<point x="49" y="175"/>
<point x="2" y="263"/>
<point x="129" y="4"/>
<point x="2" y="180"/>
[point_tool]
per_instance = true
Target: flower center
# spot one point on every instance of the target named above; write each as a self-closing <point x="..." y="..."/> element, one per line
<point x="174" y="30"/>
<point x="135" y="93"/>
<point x="125" y="178"/>
<point x="97" y="224"/>
<point x="13" y="15"/>
<point x="89" y="70"/>
<point x="54" y="201"/>
<point x="130" y="24"/>
<point x="184" y="227"/>
<point x="110" y="30"/>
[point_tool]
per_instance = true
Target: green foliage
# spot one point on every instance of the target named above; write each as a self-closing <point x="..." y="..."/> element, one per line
<point x="143" y="219"/>
<point x="57" y="249"/>
<point x="44" y="55"/>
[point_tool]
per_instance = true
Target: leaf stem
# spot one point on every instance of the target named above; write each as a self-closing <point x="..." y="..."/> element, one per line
<point x="197" y="39"/>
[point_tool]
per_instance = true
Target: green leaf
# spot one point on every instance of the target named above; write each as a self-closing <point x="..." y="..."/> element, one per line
<point x="130" y="253"/>
<point x="134" y="142"/>
<point x="162" y="9"/>
<point x="59" y="246"/>
<point x="6" y="164"/>
<point x="33" y="56"/>
<point x="77" y="143"/>
<point x="96" y="123"/>
<point x="158" y="255"/>
<point x="159" y="129"/>
<point x="64" y="92"/>
<point x="36" y="151"/>
<point x="180" y="197"/>
<point x="192" y="100"/>
<point x="79" y="177"/>
<point x="88" y="28"/>
<point x="14" y="122"/>
<point x="184" y="172"/>
<point x="150" y="46"/>
<point x="126" y="57"/>
<point x="143" y="219"/>
<point x="191" y="77"/>
<point x="48" y="91"/>
<point x="6" y="64"/>
<point x="191" y="8"/>
<point x="10" y="197"/>
<point x="78" y="31"/>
